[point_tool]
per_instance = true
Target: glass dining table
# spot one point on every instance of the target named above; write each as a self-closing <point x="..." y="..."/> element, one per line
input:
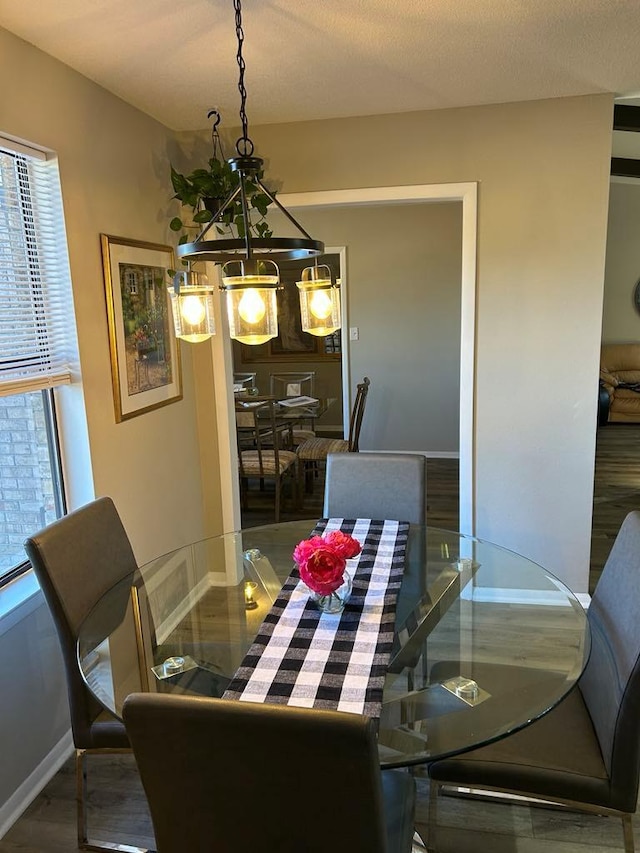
<point x="294" y="410"/>
<point x="485" y="642"/>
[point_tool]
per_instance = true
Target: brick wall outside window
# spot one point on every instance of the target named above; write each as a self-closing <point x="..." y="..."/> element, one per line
<point x="26" y="483"/>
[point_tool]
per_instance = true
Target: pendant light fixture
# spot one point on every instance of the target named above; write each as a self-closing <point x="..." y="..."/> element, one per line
<point x="250" y="275"/>
<point x="192" y="306"/>
<point x="319" y="301"/>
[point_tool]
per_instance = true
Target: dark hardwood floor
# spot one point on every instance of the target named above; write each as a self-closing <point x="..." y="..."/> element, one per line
<point x="616" y="488"/>
<point x="118" y="812"/>
<point x="117" y="804"/>
<point x="442" y="498"/>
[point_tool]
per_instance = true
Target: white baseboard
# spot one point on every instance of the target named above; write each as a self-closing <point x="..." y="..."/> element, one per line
<point x="164" y="629"/>
<point x="546" y="597"/>
<point x="35" y="782"/>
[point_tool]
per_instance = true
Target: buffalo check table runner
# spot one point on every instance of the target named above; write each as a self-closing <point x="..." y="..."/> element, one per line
<point x="336" y="661"/>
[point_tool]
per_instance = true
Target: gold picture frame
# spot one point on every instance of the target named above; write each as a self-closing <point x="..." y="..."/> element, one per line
<point x="145" y="357"/>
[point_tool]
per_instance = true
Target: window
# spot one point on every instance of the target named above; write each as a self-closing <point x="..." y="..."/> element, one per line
<point x="35" y="304"/>
<point x="30" y="477"/>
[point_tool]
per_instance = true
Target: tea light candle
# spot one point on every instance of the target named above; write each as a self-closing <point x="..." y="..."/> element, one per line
<point x="249" y="592"/>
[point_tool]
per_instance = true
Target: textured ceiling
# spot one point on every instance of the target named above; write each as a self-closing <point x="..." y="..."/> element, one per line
<point x="315" y="59"/>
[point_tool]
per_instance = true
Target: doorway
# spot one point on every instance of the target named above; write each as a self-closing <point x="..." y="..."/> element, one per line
<point x="404" y="195"/>
<point x="617" y="458"/>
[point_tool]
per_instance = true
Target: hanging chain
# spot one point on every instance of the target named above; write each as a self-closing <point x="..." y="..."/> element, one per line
<point x="244" y="146"/>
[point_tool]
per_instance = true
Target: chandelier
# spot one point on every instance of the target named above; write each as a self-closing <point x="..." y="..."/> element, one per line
<point x="250" y="275"/>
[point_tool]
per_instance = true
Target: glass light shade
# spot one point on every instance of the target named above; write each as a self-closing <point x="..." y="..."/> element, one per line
<point x="319" y="301"/>
<point x="252" y="307"/>
<point x="192" y="306"/>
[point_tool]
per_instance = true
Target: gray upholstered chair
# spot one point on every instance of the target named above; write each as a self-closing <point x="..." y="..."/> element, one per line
<point x="375" y="485"/>
<point x="585" y="752"/>
<point x="76" y="560"/>
<point x="237" y="776"/>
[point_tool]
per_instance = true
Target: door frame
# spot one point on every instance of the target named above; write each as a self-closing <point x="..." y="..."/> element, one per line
<point x="467" y="194"/>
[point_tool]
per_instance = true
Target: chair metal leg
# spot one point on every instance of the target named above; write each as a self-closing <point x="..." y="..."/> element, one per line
<point x="278" y="486"/>
<point x="81" y="796"/>
<point x="627" y="829"/>
<point x="500" y="795"/>
<point x="84" y="843"/>
<point x="434" y="791"/>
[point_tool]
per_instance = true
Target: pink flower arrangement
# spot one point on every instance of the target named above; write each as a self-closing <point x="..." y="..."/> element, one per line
<point x="322" y="560"/>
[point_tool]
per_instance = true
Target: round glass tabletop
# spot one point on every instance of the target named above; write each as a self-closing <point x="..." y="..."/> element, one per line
<point x="485" y="640"/>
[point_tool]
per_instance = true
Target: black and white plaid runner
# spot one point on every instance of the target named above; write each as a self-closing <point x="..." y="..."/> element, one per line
<point x="336" y="661"/>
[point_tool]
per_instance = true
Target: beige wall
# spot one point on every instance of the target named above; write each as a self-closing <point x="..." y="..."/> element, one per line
<point x="412" y="252"/>
<point x="543" y="173"/>
<point x="621" y="320"/>
<point x="113" y="164"/>
<point x="542" y="168"/>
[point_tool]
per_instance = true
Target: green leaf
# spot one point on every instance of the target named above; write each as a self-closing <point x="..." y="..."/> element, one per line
<point x="203" y="216"/>
<point x="184" y="239"/>
<point x="239" y="223"/>
<point x="176" y="224"/>
<point x="179" y="183"/>
<point x="261" y="202"/>
<point x="262" y="229"/>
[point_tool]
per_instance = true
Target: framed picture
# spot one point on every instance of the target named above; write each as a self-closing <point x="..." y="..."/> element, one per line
<point x="145" y="358"/>
<point x="291" y="343"/>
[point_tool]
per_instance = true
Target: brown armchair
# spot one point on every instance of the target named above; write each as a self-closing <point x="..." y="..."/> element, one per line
<point x="620" y="377"/>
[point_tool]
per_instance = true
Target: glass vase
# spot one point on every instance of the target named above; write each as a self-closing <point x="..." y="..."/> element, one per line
<point x="335" y="601"/>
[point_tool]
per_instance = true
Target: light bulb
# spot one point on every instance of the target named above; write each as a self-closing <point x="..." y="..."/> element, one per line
<point x="251" y="307"/>
<point x="320" y="304"/>
<point x="192" y="310"/>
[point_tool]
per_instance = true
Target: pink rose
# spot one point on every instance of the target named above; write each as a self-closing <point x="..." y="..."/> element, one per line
<point x="344" y="544"/>
<point x="305" y="549"/>
<point x="322" y="570"/>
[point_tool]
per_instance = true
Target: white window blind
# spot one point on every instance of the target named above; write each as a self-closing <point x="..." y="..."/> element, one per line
<point x="35" y="291"/>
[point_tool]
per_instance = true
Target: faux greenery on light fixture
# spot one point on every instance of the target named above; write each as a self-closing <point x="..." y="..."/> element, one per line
<point x="204" y="191"/>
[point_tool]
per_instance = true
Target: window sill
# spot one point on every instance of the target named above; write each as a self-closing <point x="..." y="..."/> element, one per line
<point x="18" y="599"/>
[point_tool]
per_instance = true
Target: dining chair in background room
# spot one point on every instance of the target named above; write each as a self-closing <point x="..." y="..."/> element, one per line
<point x="301" y="384"/>
<point x="290" y="384"/>
<point x="244" y="381"/>
<point x="264" y="777"/>
<point x="76" y="560"/>
<point x="260" y="454"/>
<point x="376" y="485"/>
<point x="316" y="450"/>
<point x="585" y="752"/>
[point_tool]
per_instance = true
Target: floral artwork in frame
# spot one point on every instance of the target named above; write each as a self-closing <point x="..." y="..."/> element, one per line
<point x="145" y="358"/>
